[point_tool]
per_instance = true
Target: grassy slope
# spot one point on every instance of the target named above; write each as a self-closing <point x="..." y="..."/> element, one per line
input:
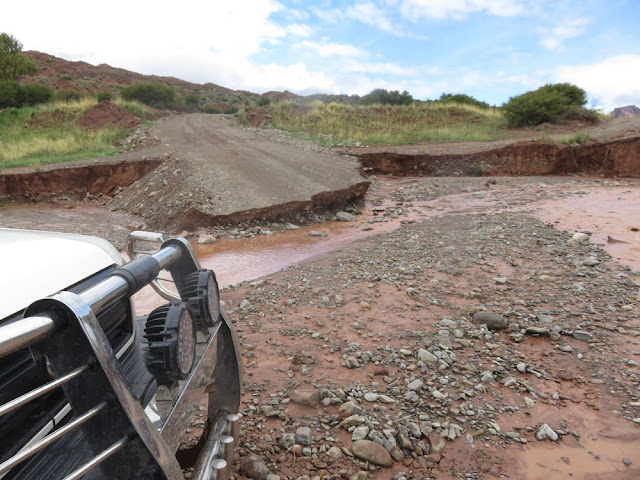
<point x="395" y="125"/>
<point x="48" y="134"/>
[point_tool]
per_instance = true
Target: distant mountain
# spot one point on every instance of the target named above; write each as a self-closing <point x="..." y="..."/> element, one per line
<point x="628" y="111"/>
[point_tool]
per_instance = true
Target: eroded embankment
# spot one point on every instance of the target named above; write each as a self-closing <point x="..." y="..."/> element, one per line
<point x="615" y="158"/>
<point x="74" y="182"/>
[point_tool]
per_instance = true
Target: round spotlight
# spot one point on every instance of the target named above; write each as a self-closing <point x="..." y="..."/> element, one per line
<point x="201" y="292"/>
<point x="171" y="336"/>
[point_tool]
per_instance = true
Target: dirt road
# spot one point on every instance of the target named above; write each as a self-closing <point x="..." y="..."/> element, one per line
<point x="219" y="173"/>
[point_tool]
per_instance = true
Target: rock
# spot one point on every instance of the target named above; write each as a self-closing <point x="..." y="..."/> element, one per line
<point x="417" y="384"/>
<point x="372" y="452"/>
<point x="493" y="321"/>
<point x="396" y="453"/>
<point x="245" y="303"/>
<point x="287" y="441"/>
<point x="206" y="239"/>
<point x="359" y="433"/>
<point x="487" y="377"/>
<point x="546" y="433"/>
<point x="426" y="356"/>
<point x="352" y="362"/>
<point x="335" y="453"/>
<point x="345" y="217"/>
<point x="590" y="261"/>
<point x="580" y="237"/>
<point x="254" y="467"/>
<point x="584" y="336"/>
<point x="308" y="398"/>
<point x="437" y="442"/>
<point x="371" y="397"/>
<point x="273" y="476"/>
<point x="303" y="436"/>
<point x="361" y="475"/>
<point x="509" y="381"/>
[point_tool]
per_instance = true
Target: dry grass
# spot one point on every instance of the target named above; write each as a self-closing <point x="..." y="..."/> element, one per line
<point x="57" y="138"/>
<point x="377" y="124"/>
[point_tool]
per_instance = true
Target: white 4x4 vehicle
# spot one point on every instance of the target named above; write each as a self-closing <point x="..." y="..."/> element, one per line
<point x="88" y="390"/>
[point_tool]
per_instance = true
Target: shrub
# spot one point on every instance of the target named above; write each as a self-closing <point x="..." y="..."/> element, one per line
<point x="68" y="95"/>
<point x="385" y="97"/>
<point x="579" y="138"/>
<point x="8" y="93"/>
<point x="263" y="101"/>
<point x="104" y="97"/>
<point x="462" y="98"/>
<point x="231" y="110"/>
<point x="192" y="99"/>
<point x="210" y="109"/>
<point x="546" y="104"/>
<point x="152" y="94"/>
<point x="34" y="94"/>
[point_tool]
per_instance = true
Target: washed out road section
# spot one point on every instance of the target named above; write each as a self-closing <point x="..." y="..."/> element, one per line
<point x="221" y="174"/>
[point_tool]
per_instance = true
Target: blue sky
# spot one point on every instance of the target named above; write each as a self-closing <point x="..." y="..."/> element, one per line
<point x="490" y="49"/>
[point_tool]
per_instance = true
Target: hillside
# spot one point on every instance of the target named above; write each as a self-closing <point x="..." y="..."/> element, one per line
<point x="62" y="74"/>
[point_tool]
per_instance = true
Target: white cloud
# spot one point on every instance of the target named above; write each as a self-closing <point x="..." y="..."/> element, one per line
<point x="369" y="13"/>
<point x="335" y="49"/>
<point x="554" y="38"/>
<point x="458" y="9"/>
<point x="613" y="81"/>
<point x="387" y="68"/>
<point x="299" y="30"/>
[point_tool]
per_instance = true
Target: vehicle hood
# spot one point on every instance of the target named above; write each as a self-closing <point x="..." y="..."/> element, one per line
<point x="34" y="265"/>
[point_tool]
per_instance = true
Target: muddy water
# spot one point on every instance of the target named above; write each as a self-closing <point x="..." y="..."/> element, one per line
<point x="611" y="214"/>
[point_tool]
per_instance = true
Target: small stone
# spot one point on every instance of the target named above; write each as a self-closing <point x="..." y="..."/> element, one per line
<point x="626" y="461"/>
<point x="254" y="467"/>
<point x="493" y="321"/>
<point x="580" y="237"/>
<point x="345" y="217"/>
<point x="417" y="384"/>
<point x="287" y="441"/>
<point x="308" y="398"/>
<point x="590" y="261"/>
<point x="437" y="442"/>
<point x="206" y="239"/>
<point x="584" y="336"/>
<point x="372" y="452"/>
<point x="546" y="433"/>
<point x="360" y="433"/>
<point x="245" y="303"/>
<point x="487" y="377"/>
<point x="352" y="362"/>
<point x="509" y="381"/>
<point x="371" y="397"/>
<point x="303" y="436"/>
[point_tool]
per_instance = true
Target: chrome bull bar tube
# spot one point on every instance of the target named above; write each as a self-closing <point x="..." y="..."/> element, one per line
<point x="32" y="329"/>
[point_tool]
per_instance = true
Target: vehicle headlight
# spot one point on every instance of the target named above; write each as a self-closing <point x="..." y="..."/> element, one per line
<point x="201" y="292"/>
<point x="171" y="335"/>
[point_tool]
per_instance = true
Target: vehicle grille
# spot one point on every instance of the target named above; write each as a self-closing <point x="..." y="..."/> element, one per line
<point x="20" y="373"/>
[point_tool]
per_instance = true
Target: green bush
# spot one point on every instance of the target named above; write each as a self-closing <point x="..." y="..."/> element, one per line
<point x="34" y="94"/>
<point x="152" y="94"/>
<point x="263" y="101"/>
<point x="210" y="109"/>
<point x="548" y="103"/>
<point x="231" y="110"/>
<point x="192" y="99"/>
<point x="9" y="93"/>
<point x="385" y="97"/>
<point x="462" y="98"/>
<point x="68" y="95"/>
<point x="104" y="97"/>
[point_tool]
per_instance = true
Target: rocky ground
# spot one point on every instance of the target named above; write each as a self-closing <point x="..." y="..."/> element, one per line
<point x="478" y="344"/>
